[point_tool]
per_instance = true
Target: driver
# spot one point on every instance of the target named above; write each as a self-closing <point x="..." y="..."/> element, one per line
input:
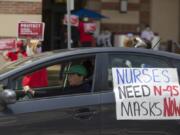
<point x="76" y="77"/>
<point x="77" y="83"/>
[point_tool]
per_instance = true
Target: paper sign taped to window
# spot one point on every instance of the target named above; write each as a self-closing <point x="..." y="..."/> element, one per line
<point x="146" y="93"/>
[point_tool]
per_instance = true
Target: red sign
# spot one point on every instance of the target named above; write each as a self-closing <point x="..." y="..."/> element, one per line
<point x="33" y="30"/>
<point x="90" y="27"/>
<point x="74" y="20"/>
<point x="7" y="44"/>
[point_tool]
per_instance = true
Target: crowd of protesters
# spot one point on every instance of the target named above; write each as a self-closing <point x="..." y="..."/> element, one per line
<point x="22" y="50"/>
<point x="80" y="37"/>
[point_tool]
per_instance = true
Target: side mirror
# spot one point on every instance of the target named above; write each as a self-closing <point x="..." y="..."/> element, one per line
<point x="7" y="97"/>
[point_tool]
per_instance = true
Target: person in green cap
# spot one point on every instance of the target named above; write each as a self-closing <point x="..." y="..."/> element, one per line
<point x="76" y="83"/>
<point x="76" y="79"/>
<point x="76" y="75"/>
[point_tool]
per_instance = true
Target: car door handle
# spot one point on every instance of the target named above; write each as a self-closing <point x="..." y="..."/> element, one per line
<point x="84" y="114"/>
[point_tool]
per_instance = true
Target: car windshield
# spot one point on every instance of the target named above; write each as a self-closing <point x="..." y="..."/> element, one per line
<point x="22" y="62"/>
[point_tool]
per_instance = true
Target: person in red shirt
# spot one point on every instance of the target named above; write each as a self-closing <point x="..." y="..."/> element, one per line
<point x="86" y="39"/>
<point x="19" y="52"/>
<point x="38" y="78"/>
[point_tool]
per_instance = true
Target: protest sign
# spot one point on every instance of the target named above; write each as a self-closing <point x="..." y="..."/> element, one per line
<point x="74" y="20"/>
<point x="90" y="27"/>
<point x="146" y="93"/>
<point x="7" y="44"/>
<point x="33" y="30"/>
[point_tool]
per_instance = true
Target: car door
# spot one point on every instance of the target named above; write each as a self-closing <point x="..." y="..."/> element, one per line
<point x="109" y="122"/>
<point x="76" y="114"/>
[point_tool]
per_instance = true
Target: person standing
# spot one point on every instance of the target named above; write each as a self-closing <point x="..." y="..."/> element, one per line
<point x="20" y="52"/>
<point x="74" y="38"/>
<point x="129" y="40"/>
<point x="86" y="39"/>
<point x="38" y="78"/>
<point x="148" y="35"/>
<point x="104" y="39"/>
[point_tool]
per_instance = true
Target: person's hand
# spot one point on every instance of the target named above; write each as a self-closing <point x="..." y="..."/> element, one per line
<point x="27" y="89"/>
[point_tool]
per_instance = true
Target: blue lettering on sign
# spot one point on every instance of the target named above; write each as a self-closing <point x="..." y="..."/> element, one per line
<point x="155" y="75"/>
<point x="137" y="74"/>
<point x="145" y="75"/>
<point x="128" y="76"/>
<point x="120" y="77"/>
<point x="165" y="74"/>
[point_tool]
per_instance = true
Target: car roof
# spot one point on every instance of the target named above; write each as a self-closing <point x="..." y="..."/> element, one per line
<point x="48" y="56"/>
<point x="95" y="50"/>
<point x="115" y="49"/>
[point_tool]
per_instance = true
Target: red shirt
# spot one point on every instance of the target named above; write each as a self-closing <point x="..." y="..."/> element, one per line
<point x="14" y="55"/>
<point x="36" y="79"/>
<point x="84" y="37"/>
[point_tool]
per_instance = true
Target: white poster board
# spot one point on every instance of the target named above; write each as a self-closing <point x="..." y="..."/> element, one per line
<point x="146" y="93"/>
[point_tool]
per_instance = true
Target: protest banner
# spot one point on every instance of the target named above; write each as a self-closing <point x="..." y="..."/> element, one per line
<point x="146" y="93"/>
<point x="33" y="30"/>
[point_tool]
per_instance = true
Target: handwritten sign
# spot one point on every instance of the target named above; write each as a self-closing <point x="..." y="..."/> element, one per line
<point x="146" y="93"/>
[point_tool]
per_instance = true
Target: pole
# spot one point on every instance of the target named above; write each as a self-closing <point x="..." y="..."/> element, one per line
<point x="69" y="23"/>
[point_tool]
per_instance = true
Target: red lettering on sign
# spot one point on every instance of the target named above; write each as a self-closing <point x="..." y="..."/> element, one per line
<point x="172" y="90"/>
<point x="171" y="108"/>
<point x="157" y="90"/>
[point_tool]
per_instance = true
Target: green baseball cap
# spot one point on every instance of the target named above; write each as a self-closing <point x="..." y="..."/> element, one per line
<point x="77" y="69"/>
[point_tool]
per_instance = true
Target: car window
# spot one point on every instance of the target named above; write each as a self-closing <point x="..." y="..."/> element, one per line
<point x="55" y="79"/>
<point x="23" y="62"/>
<point x="176" y="64"/>
<point x="134" y="61"/>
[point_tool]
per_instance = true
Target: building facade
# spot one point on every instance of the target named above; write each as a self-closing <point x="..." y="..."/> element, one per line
<point x="162" y="15"/>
